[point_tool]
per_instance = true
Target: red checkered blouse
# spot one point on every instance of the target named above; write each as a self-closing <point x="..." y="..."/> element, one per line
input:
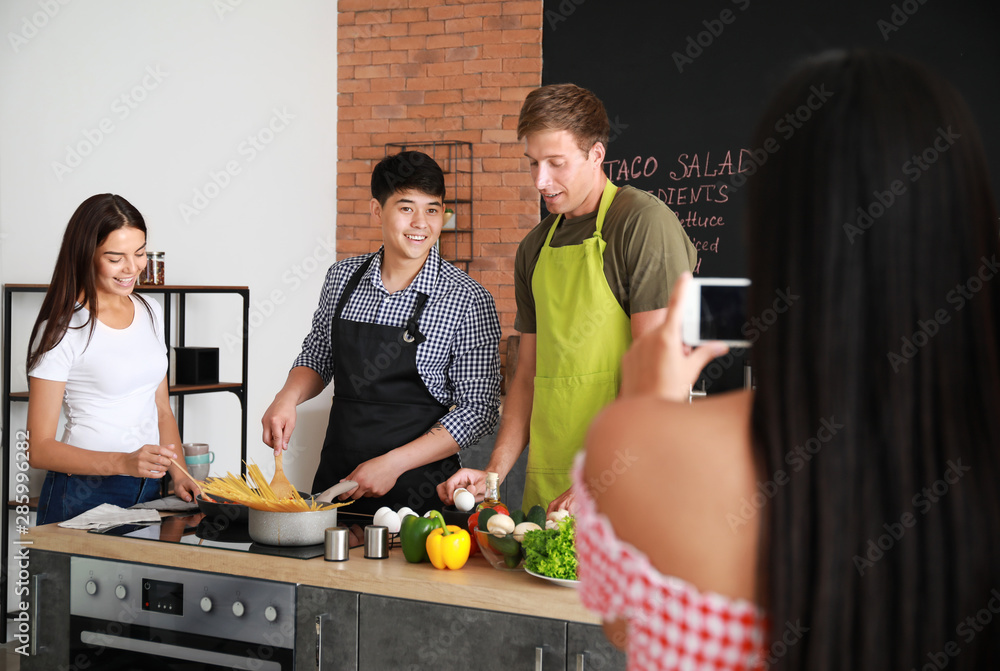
<point x="671" y="625"/>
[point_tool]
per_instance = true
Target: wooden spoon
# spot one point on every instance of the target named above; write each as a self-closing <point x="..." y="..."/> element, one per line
<point x="184" y="470"/>
<point x="282" y="488"/>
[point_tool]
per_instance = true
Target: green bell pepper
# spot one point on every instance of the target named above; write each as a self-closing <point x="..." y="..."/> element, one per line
<point x="413" y="534"/>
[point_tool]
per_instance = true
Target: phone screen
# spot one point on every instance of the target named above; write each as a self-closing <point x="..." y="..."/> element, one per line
<point x="723" y="312"/>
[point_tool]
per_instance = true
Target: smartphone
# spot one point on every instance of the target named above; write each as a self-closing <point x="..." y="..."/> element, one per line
<point x="715" y="309"/>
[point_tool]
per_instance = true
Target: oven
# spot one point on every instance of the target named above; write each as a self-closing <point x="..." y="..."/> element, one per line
<point x="135" y="617"/>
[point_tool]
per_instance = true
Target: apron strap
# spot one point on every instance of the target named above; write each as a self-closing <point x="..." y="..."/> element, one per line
<point x="412" y="333"/>
<point x="352" y="284"/>
<point x="606" y="197"/>
<point x="609" y="194"/>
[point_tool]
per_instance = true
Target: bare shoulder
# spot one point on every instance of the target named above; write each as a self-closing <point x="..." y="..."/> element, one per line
<point x="667" y="433"/>
<point x="670" y="477"/>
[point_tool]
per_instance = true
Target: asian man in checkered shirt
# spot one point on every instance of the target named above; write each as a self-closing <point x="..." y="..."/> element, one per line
<point x="412" y="346"/>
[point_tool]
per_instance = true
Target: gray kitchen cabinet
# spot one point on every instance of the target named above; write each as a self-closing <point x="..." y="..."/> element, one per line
<point x="326" y="629"/>
<point x="48" y="626"/>
<point x="413" y="635"/>
<point x="588" y="649"/>
<point x="338" y="630"/>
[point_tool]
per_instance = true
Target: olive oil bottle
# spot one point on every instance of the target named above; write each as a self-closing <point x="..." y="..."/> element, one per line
<point x="491" y="498"/>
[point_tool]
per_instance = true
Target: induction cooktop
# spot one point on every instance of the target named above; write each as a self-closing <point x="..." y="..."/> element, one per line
<point x="196" y="530"/>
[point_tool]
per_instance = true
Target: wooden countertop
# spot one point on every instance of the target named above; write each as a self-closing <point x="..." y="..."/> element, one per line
<point x="476" y="585"/>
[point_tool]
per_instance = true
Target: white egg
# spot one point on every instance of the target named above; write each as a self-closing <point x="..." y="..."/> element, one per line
<point x="387" y="517"/>
<point x="404" y="511"/>
<point x="464" y="499"/>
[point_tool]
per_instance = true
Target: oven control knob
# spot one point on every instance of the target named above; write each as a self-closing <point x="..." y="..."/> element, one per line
<point x="206" y="603"/>
<point x="121" y="592"/>
<point x="238" y="608"/>
<point x="91" y="587"/>
<point x="270" y="613"/>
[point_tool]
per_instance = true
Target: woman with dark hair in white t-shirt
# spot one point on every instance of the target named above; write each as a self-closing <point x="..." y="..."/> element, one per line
<point x="97" y="352"/>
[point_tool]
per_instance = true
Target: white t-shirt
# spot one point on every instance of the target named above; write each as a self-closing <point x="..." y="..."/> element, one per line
<point x="110" y="397"/>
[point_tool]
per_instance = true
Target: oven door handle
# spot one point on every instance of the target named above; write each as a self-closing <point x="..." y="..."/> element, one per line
<point x="36" y="599"/>
<point x="178" y="652"/>
<point x="321" y="620"/>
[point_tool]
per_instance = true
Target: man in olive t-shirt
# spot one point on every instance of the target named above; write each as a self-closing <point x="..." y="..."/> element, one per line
<point x="647" y="250"/>
<point x="588" y="279"/>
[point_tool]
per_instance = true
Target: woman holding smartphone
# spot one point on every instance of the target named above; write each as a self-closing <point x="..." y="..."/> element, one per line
<point x="845" y="515"/>
<point x="98" y="353"/>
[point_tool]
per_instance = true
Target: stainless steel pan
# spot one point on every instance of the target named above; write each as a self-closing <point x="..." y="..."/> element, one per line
<point x="299" y="528"/>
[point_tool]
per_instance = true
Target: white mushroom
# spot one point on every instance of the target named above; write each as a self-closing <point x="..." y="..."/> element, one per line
<point x="557" y="515"/>
<point x="523" y="528"/>
<point x="500" y="525"/>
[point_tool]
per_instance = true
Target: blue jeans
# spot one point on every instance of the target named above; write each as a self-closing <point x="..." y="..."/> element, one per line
<point x="66" y="496"/>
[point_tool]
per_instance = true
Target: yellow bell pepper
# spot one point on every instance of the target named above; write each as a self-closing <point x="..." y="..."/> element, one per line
<point x="448" y="546"/>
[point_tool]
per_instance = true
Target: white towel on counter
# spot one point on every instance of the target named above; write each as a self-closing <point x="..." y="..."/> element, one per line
<point x="107" y="515"/>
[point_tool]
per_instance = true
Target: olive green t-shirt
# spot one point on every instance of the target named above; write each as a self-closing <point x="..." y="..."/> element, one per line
<point x="647" y="249"/>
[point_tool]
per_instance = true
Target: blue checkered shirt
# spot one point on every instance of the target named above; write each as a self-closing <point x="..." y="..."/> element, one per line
<point x="460" y="360"/>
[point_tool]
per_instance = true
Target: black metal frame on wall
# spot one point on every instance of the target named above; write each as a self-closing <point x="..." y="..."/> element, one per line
<point x="13" y="505"/>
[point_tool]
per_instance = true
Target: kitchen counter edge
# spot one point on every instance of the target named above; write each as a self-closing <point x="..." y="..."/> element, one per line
<point x="476" y="585"/>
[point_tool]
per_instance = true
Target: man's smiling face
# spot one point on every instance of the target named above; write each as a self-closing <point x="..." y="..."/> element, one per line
<point x="411" y="223"/>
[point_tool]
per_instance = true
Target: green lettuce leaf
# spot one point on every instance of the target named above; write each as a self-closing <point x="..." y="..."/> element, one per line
<point x="552" y="552"/>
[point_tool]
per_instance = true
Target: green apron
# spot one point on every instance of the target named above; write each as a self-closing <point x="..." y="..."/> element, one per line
<point x="582" y="332"/>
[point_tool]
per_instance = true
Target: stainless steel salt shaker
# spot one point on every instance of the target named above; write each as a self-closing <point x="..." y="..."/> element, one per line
<point x="337" y="544"/>
<point x="376" y="542"/>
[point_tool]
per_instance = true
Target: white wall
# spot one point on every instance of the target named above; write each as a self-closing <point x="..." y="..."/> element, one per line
<point x="155" y="101"/>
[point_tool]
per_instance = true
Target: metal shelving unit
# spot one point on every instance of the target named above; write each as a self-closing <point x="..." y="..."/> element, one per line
<point x="172" y="294"/>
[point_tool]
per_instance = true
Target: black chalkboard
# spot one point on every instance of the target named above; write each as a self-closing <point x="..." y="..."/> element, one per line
<point x="685" y="80"/>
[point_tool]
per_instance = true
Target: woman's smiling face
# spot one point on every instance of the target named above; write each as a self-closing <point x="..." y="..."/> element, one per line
<point x="119" y="260"/>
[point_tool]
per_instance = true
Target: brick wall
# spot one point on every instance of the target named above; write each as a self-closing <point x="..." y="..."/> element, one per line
<point x="418" y="70"/>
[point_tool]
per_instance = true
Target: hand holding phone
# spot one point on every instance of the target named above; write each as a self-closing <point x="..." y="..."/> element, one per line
<point x="658" y="363"/>
<point x="715" y="310"/>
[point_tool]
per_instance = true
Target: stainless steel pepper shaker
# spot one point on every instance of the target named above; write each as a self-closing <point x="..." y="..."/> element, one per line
<point x="376" y="542"/>
<point x="336" y="544"/>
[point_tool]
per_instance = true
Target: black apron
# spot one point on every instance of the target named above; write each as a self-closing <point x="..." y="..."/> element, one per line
<point x="380" y="403"/>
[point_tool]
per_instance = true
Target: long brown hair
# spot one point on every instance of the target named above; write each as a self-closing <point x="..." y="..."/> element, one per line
<point x="94" y="220"/>
<point x="877" y="211"/>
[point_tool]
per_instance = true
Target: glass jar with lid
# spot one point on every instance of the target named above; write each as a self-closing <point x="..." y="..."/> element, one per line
<point x="155" y="272"/>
